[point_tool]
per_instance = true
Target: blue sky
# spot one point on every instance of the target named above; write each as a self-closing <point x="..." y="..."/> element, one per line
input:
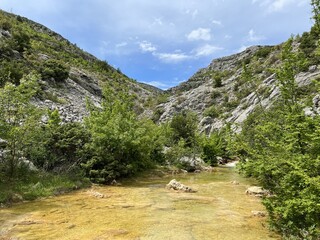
<point x="165" y="42"/>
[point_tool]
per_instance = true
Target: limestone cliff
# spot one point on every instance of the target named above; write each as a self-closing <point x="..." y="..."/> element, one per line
<point x="220" y="95"/>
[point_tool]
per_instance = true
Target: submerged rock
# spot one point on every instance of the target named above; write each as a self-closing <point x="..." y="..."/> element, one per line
<point x="259" y="213"/>
<point x="175" y="185"/>
<point x="96" y="194"/>
<point x="235" y="182"/>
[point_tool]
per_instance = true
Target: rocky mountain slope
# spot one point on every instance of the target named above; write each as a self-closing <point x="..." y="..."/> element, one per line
<point x="26" y="46"/>
<point x="221" y="94"/>
<point x="218" y="94"/>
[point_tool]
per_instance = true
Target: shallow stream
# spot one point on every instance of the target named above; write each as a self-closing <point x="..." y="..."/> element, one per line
<point x="144" y="209"/>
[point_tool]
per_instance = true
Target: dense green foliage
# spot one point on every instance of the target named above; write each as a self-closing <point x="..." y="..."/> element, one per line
<point x="18" y="119"/>
<point x="121" y="144"/>
<point x="55" y="69"/>
<point x="213" y="147"/>
<point x="280" y="147"/>
<point x="184" y="126"/>
<point x="60" y="146"/>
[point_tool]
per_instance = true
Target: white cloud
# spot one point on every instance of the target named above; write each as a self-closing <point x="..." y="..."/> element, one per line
<point x="278" y="5"/>
<point x="252" y="37"/>
<point x="195" y="13"/>
<point x="158" y="84"/>
<point x="172" y="57"/>
<point x="158" y="21"/>
<point x="122" y="44"/>
<point x="206" y="50"/>
<point x="217" y="22"/>
<point x="146" y="46"/>
<point x="200" y="34"/>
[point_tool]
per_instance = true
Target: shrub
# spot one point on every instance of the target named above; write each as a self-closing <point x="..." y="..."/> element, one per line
<point x="184" y="126"/>
<point x="10" y="72"/>
<point x="20" y="41"/>
<point x="5" y="25"/>
<point x="157" y="114"/>
<point x="217" y="81"/>
<point x="211" y="112"/>
<point x="55" y="69"/>
<point x="59" y="146"/>
<point x="121" y="145"/>
<point x="307" y="43"/>
<point x="212" y="147"/>
<point x="263" y="52"/>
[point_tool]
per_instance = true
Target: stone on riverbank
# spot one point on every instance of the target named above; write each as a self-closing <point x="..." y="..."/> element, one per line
<point x="257" y="191"/>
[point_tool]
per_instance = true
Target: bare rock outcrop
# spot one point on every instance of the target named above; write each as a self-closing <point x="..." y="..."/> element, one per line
<point x="233" y="100"/>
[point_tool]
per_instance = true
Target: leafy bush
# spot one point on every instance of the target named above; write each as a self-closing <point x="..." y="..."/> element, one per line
<point x="5" y="25"/>
<point x="20" y="41"/>
<point x="280" y="147"/>
<point x="212" y="147"/>
<point x="263" y="52"/>
<point x="121" y="145"/>
<point x="307" y="43"/>
<point x="184" y="126"/>
<point x="211" y="112"/>
<point x="157" y="114"/>
<point x="215" y="94"/>
<point x="55" y="69"/>
<point x="217" y="81"/>
<point x="10" y="71"/>
<point x="57" y="147"/>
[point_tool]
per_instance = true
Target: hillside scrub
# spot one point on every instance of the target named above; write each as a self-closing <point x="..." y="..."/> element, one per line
<point x="280" y="147"/>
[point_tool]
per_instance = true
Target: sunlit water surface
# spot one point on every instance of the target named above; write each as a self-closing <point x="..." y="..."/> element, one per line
<point x="144" y="209"/>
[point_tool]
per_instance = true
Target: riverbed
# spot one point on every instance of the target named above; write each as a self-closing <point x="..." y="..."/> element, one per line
<point x="144" y="209"/>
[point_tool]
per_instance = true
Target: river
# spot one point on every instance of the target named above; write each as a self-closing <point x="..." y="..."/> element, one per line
<point x="144" y="209"/>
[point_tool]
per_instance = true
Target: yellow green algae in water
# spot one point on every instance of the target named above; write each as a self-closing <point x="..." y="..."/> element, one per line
<point x="144" y="209"/>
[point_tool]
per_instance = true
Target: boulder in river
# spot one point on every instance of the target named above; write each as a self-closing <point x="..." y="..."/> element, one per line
<point x="257" y="191"/>
<point x="175" y="185"/>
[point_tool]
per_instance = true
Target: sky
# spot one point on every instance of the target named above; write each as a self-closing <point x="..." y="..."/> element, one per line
<point x="164" y="42"/>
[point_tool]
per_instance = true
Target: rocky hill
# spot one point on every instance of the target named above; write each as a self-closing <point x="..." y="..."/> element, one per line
<point x="221" y="94"/>
<point x="218" y="94"/>
<point x="69" y="75"/>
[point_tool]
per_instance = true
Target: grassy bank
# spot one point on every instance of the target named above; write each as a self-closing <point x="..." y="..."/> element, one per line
<point x="38" y="185"/>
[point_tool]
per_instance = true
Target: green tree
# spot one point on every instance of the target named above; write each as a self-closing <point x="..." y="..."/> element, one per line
<point x="212" y="147"/>
<point x="18" y="119"/>
<point x="184" y="126"/>
<point x="121" y="144"/>
<point x="316" y="13"/>
<point x="292" y="63"/>
<point x="281" y="149"/>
